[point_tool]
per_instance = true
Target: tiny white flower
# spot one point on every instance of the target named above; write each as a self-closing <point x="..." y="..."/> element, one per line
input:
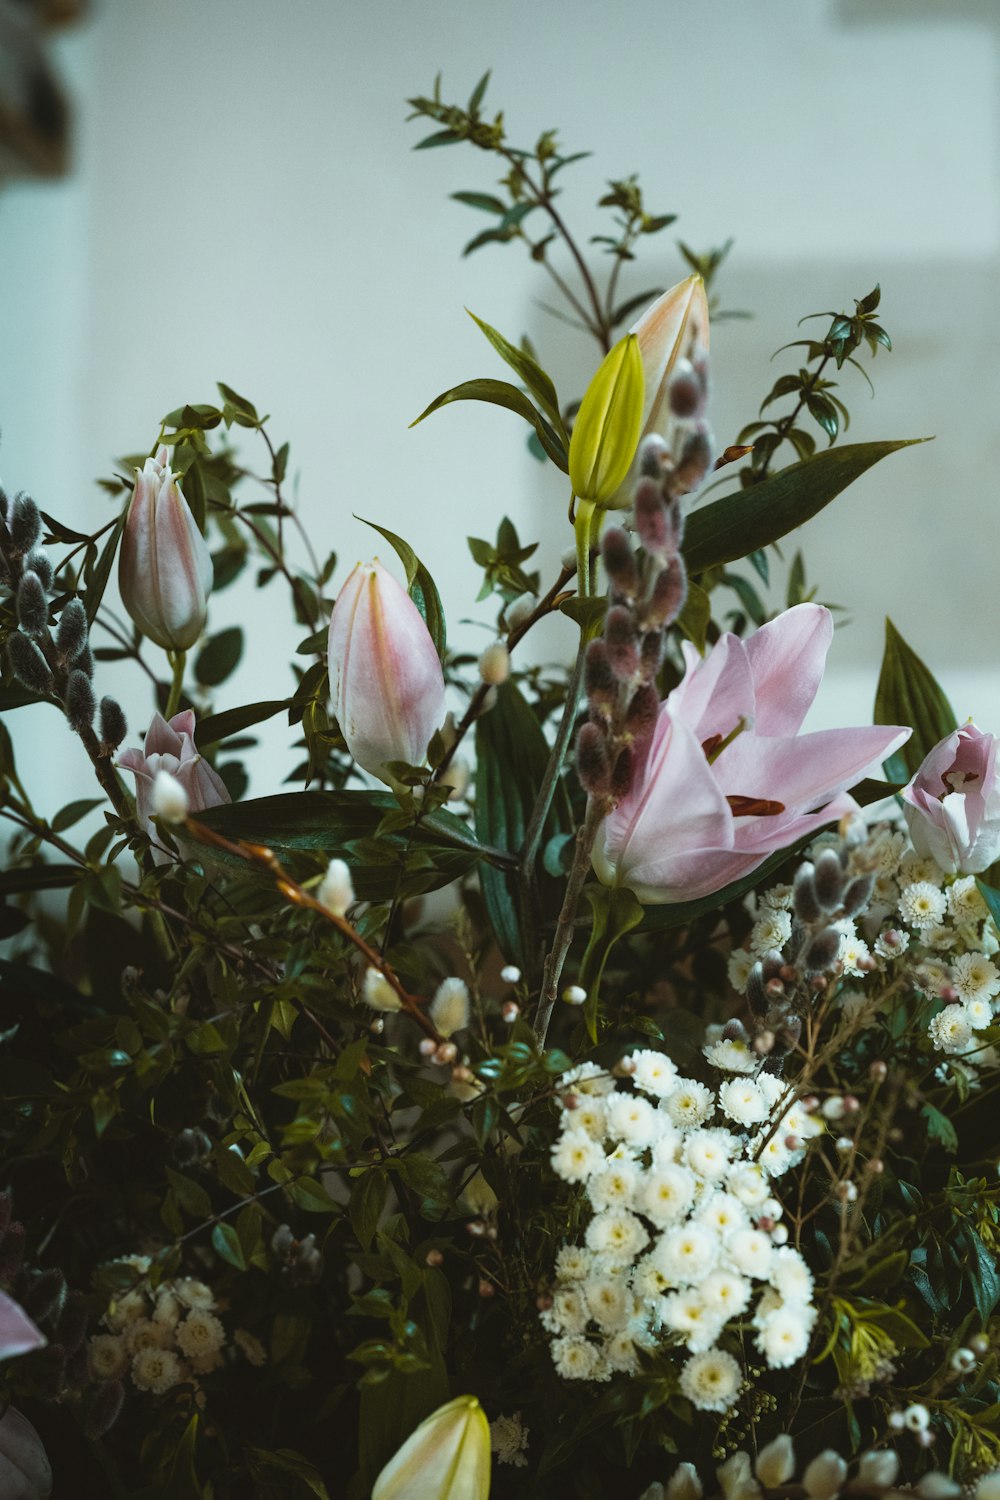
<point x="950" y="1030"/>
<point x="915" y="868"/>
<point x="975" y="977"/>
<point x="890" y="950"/>
<point x="336" y="892"/>
<point x="939" y="937"/>
<point x="749" y="1182"/>
<point x="784" y="1337"/>
<point x="708" y="1152"/>
<point x="573" y="1263"/>
<point x="576" y="1156"/>
<point x="618" y="1235"/>
<point x="790" y="1276"/>
<point x="666" y="1193"/>
<point x="772" y="930"/>
<point x="688" y="1104"/>
<point x="779" y="896"/>
<point x="615" y="1187"/>
<point x="750" y="1251"/>
<point x="922" y="904"/>
<point x="107" y="1356"/>
<point x="711" y="1381"/>
<point x="143" y="1333"/>
<point x="687" y="1254"/>
<point x="731" y="1056"/>
<point x="590" y="1116"/>
<point x="654" y="1072"/>
<point x="156" y="1370"/>
<point x="574" y="1358"/>
<point x="965" y="903"/>
<point x="726" y="1293"/>
<point x="978" y="1013"/>
<point x="742" y="1100"/>
<point x="609" y="1302"/>
<point x="687" y="1313"/>
<point x="621" y="1353"/>
<point x="738" y="970"/>
<point x="569" y="1313"/>
<point x="722" y="1213"/>
<point x="632" y="1119"/>
<point x="508" y="1440"/>
<point x="586" y="1078"/>
<point x="194" y="1293"/>
<point x="124" y="1310"/>
<point x="200" y="1334"/>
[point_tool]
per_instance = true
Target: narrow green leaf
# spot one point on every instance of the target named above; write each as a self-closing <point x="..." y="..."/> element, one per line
<point x="226" y="1242"/>
<point x="97" y="579"/>
<point x="530" y="371"/>
<point x="484" y="201"/>
<point x="615" y="912"/>
<point x="220" y="726"/>
<point x="420" y="585"/>
<point x="908" y="693"/>
<point x="502" y="393"/>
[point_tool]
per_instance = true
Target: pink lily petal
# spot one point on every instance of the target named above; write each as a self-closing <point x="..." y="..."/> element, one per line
<point x="717" y="692"/>
<point x="762" y="836"/>
<point x="806" y="770"/>
<point x="18" y="1334"/>
<point x="787" y="657"/>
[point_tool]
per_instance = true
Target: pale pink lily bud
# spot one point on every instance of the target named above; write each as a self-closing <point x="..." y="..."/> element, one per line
<point x="952" y="805"/>
<point x="385" y="674"/>
<point x="171" y="748"/>
<point x="164" y="568"/>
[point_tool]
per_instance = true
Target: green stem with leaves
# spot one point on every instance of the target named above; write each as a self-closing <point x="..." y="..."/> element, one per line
<point x="177" y="660"/>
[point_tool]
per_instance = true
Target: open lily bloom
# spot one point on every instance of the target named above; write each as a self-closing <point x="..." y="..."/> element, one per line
<point x="170" y="747"/>
<point x="953" y="802"/>
<point x="727" y="778"/>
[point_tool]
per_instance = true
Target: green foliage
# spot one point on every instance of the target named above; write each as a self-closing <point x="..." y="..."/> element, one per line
<point x="907" y="693"/>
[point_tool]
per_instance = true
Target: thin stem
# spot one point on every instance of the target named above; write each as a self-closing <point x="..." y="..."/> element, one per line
<point x="177" y="660"/>
<point x="585" y="840"/>
<point x="546" y="792"/>
<point x="784" y="427"/>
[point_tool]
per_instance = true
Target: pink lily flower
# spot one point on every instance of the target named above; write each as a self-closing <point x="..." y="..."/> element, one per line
<point x="386" y="680"/>
<point x="170" y="747"/>
<point x="953" y="802"/>
<point x="25" y="1471"/>
<point x="727" y="778"/>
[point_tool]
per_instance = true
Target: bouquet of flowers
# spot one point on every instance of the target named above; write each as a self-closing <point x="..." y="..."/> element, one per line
<point x="578" y="1080"/>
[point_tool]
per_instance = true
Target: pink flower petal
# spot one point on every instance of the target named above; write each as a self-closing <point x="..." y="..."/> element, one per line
<point x="18" y="1333"/>
<point x="787" y="657"/>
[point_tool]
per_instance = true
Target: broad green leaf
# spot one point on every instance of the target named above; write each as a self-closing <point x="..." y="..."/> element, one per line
<point x="530" y="371"/>
<point x="38" y="878"/>
<point x="908" y="693"/>
<point x="226" y="1242"/>
<point x="749" y="519"/>
<point x="502" y="393"/>
<point x="615" y="912"/>
<point x="420" y="585"/>
<point x="694" y="618"/>
<point x="219" y="656"/>
<point x="216" y="727"/>
<point x="368" y="1196"/>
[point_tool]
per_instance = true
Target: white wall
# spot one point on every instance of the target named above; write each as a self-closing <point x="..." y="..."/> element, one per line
<point x="245" y="206"/>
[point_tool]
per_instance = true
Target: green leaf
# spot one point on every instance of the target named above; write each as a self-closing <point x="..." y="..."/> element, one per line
<point x="216" y="727"/>
<point x="97" y="578"/>
<point x="484" y="201"/>
<point x="38" y="878"/>
<point x="940" y="1128"/>
<point x="367" y="1202"/>
<point x="749" y="519"/>
<point x="988" y="893"/>
<point x="530" y="371"/>
<point x="502" y="393"/>
<point x="616" y="911"/>
<point x="219" y="656"/>
<point x="694" y="618"/>
<point x="288" y="1461"/>
<point x="511" y="756"/>
<point x="908" y="693"/>
<point x="226" y="1242"/>
<point x="73" y="812"/>
<point x="984" y="1276"/>
<point x="420" y="585"/>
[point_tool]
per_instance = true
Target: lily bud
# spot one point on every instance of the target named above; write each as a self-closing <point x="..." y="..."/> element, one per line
<point x="446" y="1458"/>
<point x="608" y="424"/>
<point x="385" y="675"/>
<point x="165" y="569"/>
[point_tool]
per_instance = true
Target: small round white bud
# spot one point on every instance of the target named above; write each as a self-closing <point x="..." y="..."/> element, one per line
<point x="494" y="664"/>
<point x="963" y="1360"/>
<point x="916" y="1417"/>
<point x="574" y="995"/>
<point x="833" y="1108"/>
<point x="377" y="1026"/>
<point x="510" y="1012"/>
<point x="510" y="974"/>
<point x="779" y="1235"/>
<point x="434" y="1258"/>
<point x="170" y="800"/>
<point x="521" y="610"/>
<point x="844" y="1143"/>
<point x="379" y="993"/>
<point x="446" y="1054"/>
<point x="896" y="1420"/>
<point x="428" y="1047"/>
<point x="336" y="893"/>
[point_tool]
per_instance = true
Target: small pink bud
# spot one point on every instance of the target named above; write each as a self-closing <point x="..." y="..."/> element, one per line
<point x="428" y="1047"/>
<point x="510" y="1011"/>
<point x="476" y="1228"/>
<point x="487" y="1289"/>
<point x="446" y="1053"/>
<point x="164" y="567"/>
<point x="878" y="1072"/>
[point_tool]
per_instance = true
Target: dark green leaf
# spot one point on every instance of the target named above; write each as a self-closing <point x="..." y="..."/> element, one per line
<point x="367" y="1202"/>
<point x="614" y="913"/>
<point x="219" y="656"/>
<point x="484" y="201"/>
<point x="226" y="1242"/>
<point x="908" y="693"/>
<point x="534" y="377"/>
<point x="502" y="393"/>
<point x="218" y="727"/>
<point x="97" y="578"/>
<point x="420" y="585"/>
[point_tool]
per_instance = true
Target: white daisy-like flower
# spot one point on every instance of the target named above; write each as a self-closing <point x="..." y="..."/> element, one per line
<point x="939" y="937"/>
<point x="750" y="1251"/>
<point x="742" y="1100"/>
<point x="654" y="1072"/>
<point x="576" y="1156"/>
<point x="107" y="1356"/>
<point x="200" y="1334"/>
<point x="768" y="1302"/>
<point x="569" y="1313"/>
<point x="989" y="939"/>
<point x="508" y="1440"/>
<point x="975" y="977"/>
<point x="573" y="1263"/>
<point x="738" y="969"/>
<point x="648" y="1281"/>
<point x="590" y="1117"/>
<point x="922" y="904"/>
<point x="771" y="930"/>
<point x="687" y="1254"/>
<point x="773" y="1088"/>
<point x="621" y="1353"/>
<point x="749" y="1182"/>
<point x="779" y="896"/>
<point x="617" y="1234"/>
<point x="631" y="1119"/>
<point x="574" y="1358"/>
<point x="688" y="1104"/>
<point x="731" y="1056"/>
<point x="965" y="903"/>
<point x="156" y="1370"/>
<point x="711" y="1381"/>
<point x="168" y="1309"/>
<point x="790" y="1276"/>
<point x="950" y="1030"/>
<point x="586" y="1078"/>
<point x="709" y="1152"/>
<point x="687" y="1313"/>
<point x="979" y="1014"/>
<point x="774" y="1155"/>
<point x="615" y="1187"/>
<point x="915" y="868"/>
<point x="669" y="1144"/>
<point x="666" y="1193"/>
<point x="887" y="848"/>
<point x="722" y="1213"/>
<point x="124" y="1310"/>
<point x="784" y="1337"/>
<point x="194" y="1294"/>
<point x="143" y="1333"/>
<point x="854" y="953"/>
<point x="609" y="1302"/>
<point x="250" y="1347"/>
<point x="726" y="1293"/>
<point x="798" y="1121"/>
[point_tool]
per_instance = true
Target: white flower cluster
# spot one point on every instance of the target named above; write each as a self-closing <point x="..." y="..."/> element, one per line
<point x="935" y="926"/>
<point x="684" y="1229"/>
<point x="163" y="1336"/>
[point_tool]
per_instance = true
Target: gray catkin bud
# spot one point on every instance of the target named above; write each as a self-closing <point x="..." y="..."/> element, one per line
<point x="756" y="995"/>
<point x="686" y="390"/>
<point x="651" y="654"/>
<point x="668" y="594"/>
<point x="822" y="951"/>
<point x="807" y="907"/>
<point x="113" y="725"/>
<point x="592" y="766"/>
<point x="653" y="456"/>
<point x="858" y="894"/>
<point x="84" y="661"/>
<point x="598" y="679"/>
<point x="38" y="561"/>
<point x="651" y="518"/>
<point x="619" y="561"/>
<point x="621" y="776"/>
<point x="674" y="512"/>
<point x="28" y="664"/>
<point x="696" y="458"/>
<point x="32" y="604"/>
<point x="24" y="523"/>
<point x="73" y="1323"/>
<point x="787" y="1035"/>
<point x="640" y="717"/>
<point x="71" y="632"/>
<point x="621" y="642"/>
<point x="80" y="705"/>
<point x="829" y="880"/>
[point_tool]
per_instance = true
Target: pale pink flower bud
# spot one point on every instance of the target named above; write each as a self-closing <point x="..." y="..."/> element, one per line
<point x="952" y="804"/>
<point x="164" y="568"/>
<point x="170" y="748"/>
<point x="386" y="680"/>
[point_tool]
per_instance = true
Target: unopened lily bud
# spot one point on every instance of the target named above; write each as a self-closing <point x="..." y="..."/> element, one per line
<point x="28" y="664"/>
<point x="379" y="993"/>
<point x="38" y="562"/>
<point x="829" y="880"/>
<point x="518" y="613"/>
<point x="669" y="592"/>
<point x="825" y="1476"/>
<point x="71" y="632"/>
<point x="112" y="723"/>
<point x="619" y="561"/>
<point x="165" y="568"/>
<point x="446" y="1458"/>
<point x="574" y="995"/>
<point x="24" y="523"/>
<point x="494" y="664"/>
<point x="686" y="391"/>
<point x="169" y="798"/>
<point x="81" y="704"/>
<point x="32" y="604"/>
<point x="336" y="890"/>
<point x="598" y="677"/>
<point x="449" y="1010"/>
<point x="621" y="642"/>
<point x="386" y="681"/>
<point x="673" y="328"/>
<point x="607" y="426"/>
<point x="592" y="764"/>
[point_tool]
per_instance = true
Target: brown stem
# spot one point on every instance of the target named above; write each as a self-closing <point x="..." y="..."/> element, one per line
<point x="564" y="927"/>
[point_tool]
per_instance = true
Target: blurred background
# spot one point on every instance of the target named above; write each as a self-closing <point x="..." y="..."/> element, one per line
<point x="193" y="192"/>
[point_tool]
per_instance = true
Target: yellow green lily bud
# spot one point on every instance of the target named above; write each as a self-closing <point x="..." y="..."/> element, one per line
<point x="608" y="424"/>
<point x="446" y="1458"/>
